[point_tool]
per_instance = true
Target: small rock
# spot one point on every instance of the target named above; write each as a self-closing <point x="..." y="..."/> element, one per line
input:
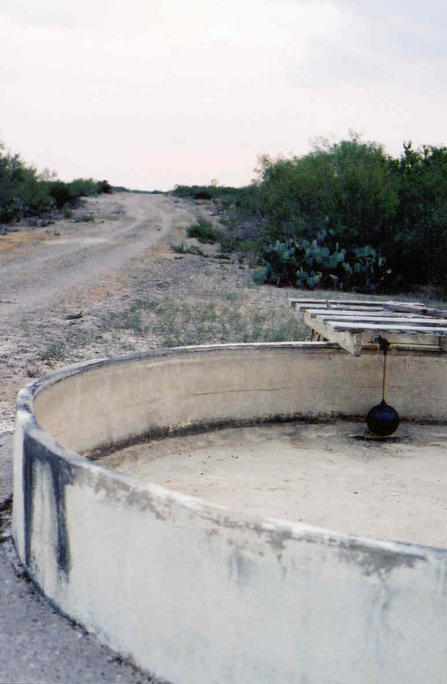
<point x="73" y="316"/>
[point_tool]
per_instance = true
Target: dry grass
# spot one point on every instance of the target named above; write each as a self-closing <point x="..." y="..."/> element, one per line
<point x="21" y="242"/>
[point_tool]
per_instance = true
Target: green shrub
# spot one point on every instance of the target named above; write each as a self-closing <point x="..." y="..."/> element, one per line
<point x="24" y="193"/>
<point x="350" y="187"/>
<point x="104" y="187"/>
<point x="83" y="187"/>
<point x="204" y="231"/>
<point x="60" y="193"/>
<point x="363" y="198"/>
<point x="85" y="218"/>
<point x="192" y="249"/>
<point x="21" y="191"/>
<point x="222" y="193"/>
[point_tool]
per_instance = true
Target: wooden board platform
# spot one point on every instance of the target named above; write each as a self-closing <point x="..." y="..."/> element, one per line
<point x="355" y="324"/>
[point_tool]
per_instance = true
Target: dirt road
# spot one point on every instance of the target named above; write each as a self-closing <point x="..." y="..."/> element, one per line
<point x="63" y="270"/>
<point x="86" y="250"/>
<point x="46" y="274"/>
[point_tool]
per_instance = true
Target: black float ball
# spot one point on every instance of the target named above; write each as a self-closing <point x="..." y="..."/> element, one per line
<point x="382" y="419"/>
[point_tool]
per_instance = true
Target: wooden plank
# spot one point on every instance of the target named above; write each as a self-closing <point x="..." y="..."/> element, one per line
<point x="335" y="311"/>
<point x="381" y="319"/>
<point x="390" y="305"/>
<point x="341" y="305"/>
<point x="331" y="303"/>
<point x="348" y="341"/>
<point x="321" y="300"/>
<point x="370" y="315"/>
<point x="416" y="307"/>
<point x="339" y="326"/>
<point x="423" y="341"/>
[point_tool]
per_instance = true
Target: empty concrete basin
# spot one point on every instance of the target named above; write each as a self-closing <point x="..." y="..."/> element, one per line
<point x="197" y="589"/>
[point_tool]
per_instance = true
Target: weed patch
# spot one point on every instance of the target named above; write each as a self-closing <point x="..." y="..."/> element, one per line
<point x="180" y="323"/>
<point x="55" y="351"/>
<point x="85" y="218"/>
<point x="191" y="249"/>
<point x="204" y="231"/>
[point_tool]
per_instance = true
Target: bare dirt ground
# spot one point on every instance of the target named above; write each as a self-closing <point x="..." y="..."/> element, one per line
<point x="105" y="282"/>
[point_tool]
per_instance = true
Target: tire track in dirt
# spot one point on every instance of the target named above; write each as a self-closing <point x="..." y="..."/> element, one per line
<point x="60" y="266"/>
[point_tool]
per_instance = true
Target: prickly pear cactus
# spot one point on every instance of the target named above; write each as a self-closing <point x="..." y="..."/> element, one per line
<point x="322" y="262"/>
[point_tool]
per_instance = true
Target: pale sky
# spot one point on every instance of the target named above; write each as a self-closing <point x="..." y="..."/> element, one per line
<point x="151" y="93"/>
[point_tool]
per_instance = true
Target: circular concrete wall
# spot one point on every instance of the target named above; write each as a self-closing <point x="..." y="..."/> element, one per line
<point x="195" y="592"/>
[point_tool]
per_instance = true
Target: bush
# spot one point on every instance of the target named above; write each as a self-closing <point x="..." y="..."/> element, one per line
<point x="226" y="197"/>
<point x="204" y="231"/>
<point x="104" y="187"/>
<point x="365" y="200"/>
<point x="21" y="192"/>
<point x="24" y="193"/>
<point x="60" y="193"/>
<point x="350" y="187"/>
<point x="418" y="245"/>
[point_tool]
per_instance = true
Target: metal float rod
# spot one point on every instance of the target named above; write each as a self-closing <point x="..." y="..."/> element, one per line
<point x="384" y="346"/>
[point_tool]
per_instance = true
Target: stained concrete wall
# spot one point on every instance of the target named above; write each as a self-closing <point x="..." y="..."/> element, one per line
<point x="97" y="404"/>
<point x="190" y="590"/>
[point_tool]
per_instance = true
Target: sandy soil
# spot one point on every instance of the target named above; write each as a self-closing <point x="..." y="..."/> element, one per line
<point x="321" y="475"/>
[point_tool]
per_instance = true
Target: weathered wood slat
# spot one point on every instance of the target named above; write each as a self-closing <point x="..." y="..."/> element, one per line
<point x="384" y="327"/>
<point x="337" y="307"/>
<point x="336" y="311"/>
<point x="408" y="307"/>
<point x="351" y="342"/>
<point x="333" y="303"/>
<point x="354" y="303"/>
<point x="379" y="320"/>
<point x="371" y="314"/>
<point x="322" y="300"/>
